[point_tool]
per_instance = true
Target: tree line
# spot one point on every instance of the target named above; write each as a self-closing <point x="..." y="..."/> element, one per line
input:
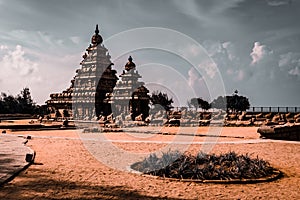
<point x="232" y="103"/>
<point x="23" y="103"/>
<point x="20" y="104"/>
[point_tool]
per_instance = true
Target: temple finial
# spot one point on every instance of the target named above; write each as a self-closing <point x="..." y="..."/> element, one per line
<point x="129" y="65"/>
<point x="97" y="29"/>
<point x="96" y="39"/>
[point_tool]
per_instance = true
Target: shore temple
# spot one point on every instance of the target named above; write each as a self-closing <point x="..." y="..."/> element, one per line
<point x="96" y="90"/>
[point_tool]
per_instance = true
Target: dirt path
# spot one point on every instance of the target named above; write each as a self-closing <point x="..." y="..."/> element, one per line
<point x="65" y="169"/>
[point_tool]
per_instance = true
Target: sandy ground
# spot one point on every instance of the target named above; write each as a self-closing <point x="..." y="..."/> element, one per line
<point x="69" y="165"/>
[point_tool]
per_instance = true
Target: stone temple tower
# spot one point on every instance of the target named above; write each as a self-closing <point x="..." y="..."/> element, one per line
<point x="94" y="82"/>
<point x="130" y="96"/>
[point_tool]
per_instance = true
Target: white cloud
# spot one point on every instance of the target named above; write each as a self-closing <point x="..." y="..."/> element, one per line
<point x="241" y="75"/>
<point x="259" y="52"/>
<point x="191" y="51"/>
<point x="3" y="47"/>
<point x="39" y="40"/>
<point x="75" y="39"/>
<point x="193" y="77"/>
<point x="60" y="42"/>
<point x="16" y="62"/>
<point x="226" y="57"/>
<point x="18" y="71"/>
<point x="227" y="50"/>
<point x="229" y="71"/>
<point x="285" y="59"/>
<point x="199" y="9"/>
<point x="278" y="2"/>
<point x="230" y="50"/>
<point x="194" y="50"/>
<point x="197" y="84"/>
<point x="209" y="68"/>
<point x="213" y="47"/>
<point x="220" y="5"/>
<point x="290" y="62"/>
<point x="236" y="74"/>
<point x="295" y="71"/>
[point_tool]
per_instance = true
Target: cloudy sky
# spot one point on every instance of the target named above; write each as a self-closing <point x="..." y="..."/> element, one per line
<point x="255" y="44"/>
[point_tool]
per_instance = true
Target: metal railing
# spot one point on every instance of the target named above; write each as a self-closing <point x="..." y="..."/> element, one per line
<point x="257" y="109"/>
<point x="274" y="109"/>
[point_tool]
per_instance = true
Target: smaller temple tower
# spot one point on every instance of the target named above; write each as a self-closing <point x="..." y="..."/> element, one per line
<point x="130" y="96"/>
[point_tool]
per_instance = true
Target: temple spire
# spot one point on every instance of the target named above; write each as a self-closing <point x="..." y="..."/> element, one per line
<point x="97" y="30"/>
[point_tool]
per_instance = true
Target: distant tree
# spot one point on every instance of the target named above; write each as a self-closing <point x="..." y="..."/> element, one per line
<point x="234" y="102"/>
<point x="219" y="103"/>
<point x="1" y="105"/>
<point x="204" y="104"/>
<point x="22" y="103"/>
<point x="194" y="103"/>
<point x="159" y="98"/>
<point x="9" y="104"/>
<point x="25" y="101"/>
<point x="238" y="103"/>
<point x="200" y="103"/>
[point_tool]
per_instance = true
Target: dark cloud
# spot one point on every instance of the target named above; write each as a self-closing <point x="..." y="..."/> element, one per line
<point x="56" y="32"/>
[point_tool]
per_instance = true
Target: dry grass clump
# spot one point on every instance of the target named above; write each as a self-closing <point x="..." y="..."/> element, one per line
<point x="228" y="166"/>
